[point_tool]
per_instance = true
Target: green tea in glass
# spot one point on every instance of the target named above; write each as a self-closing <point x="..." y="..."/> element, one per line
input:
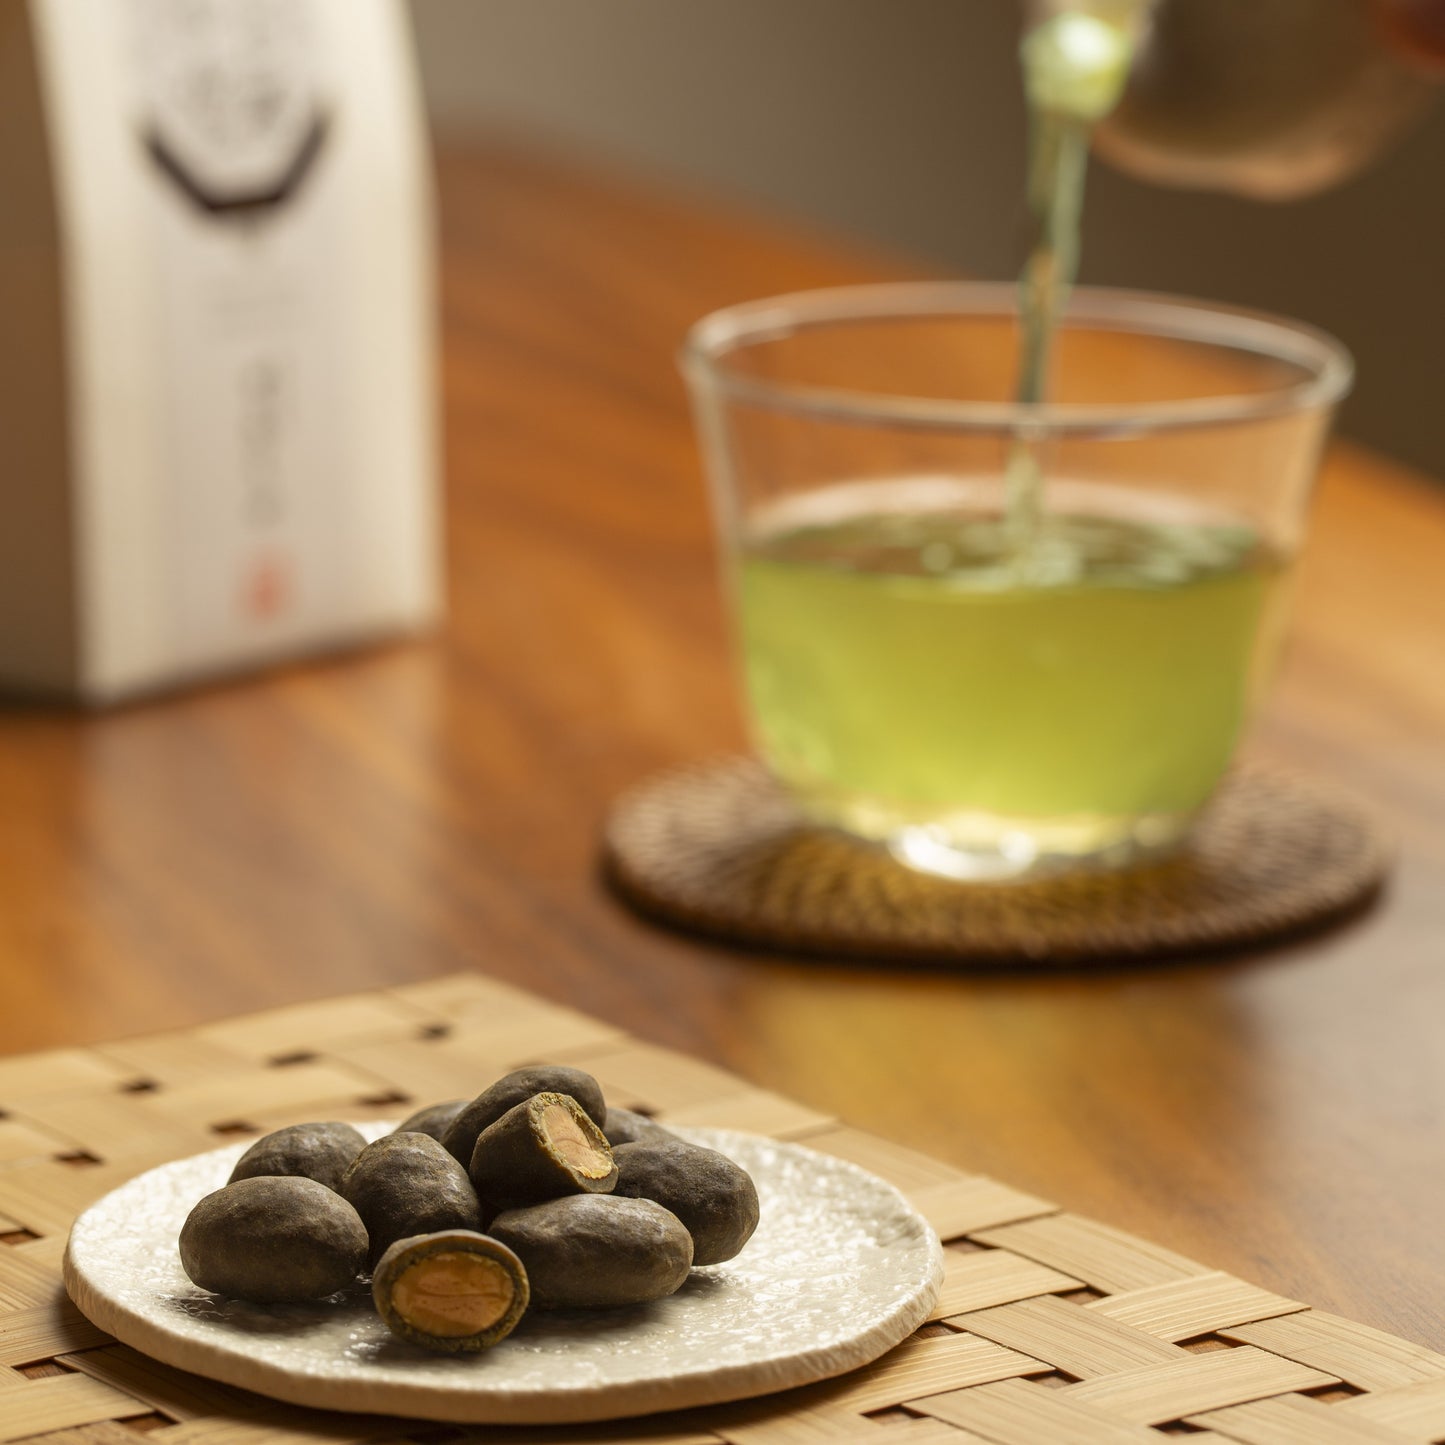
<point x="989" y="698"/>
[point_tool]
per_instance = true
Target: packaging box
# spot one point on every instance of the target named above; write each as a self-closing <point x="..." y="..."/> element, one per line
<point x="217" y="338"/>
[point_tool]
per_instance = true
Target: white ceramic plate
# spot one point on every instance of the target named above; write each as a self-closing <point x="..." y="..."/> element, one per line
<point x="840" y="1270"/>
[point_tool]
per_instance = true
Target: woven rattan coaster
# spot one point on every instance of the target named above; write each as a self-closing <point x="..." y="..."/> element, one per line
<point x="719" y="848"/>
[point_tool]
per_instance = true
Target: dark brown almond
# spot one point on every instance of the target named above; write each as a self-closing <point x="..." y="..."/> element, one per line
<point x="544" y="1147"/>
<point x="593" y="1251"/>
<point x="435" y="1119"/>
<point x="715" y="1199"/>
<point x="275" y="1239"/>
<point x="407" y="1184"/>
<point x="509" y="1091"/>
<point x="625" y="1127"/>
<point x="322" y="1152"/>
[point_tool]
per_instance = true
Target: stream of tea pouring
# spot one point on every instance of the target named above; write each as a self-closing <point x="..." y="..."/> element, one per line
<point x="1075" y="63"/>
<point x="1273" y="99"/>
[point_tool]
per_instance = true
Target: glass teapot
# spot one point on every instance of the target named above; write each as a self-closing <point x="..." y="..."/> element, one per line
<point x="1270" y="98"/>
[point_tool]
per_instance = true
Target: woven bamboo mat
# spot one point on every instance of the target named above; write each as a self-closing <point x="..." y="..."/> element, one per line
<point x="1051" y="1327"/>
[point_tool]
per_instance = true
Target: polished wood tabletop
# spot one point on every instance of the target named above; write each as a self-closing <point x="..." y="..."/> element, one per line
<point x="435" y="805"/>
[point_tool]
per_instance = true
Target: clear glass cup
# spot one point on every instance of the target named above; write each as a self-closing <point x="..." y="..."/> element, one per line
<point x="987" y="702"/>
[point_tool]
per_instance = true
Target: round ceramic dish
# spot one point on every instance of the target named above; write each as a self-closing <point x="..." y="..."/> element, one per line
<point x="841" y="1269"/>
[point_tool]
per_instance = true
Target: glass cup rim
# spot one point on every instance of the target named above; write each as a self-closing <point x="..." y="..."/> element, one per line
<point x="1328" y="364"/>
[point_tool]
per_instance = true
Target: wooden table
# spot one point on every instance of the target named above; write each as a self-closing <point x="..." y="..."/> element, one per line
<point x="435" y="806"/>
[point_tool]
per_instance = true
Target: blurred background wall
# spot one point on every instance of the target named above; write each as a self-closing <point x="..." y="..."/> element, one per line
<point x="901" y="122"/>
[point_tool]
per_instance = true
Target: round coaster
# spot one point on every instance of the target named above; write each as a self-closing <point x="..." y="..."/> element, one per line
<point x="719" y="848"/>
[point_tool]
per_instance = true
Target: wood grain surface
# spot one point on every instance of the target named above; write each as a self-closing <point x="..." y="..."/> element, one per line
<point x="435" y="806"/>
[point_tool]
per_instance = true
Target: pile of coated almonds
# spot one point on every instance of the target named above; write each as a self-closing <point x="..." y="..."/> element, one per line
<point x="533" y="1194"/>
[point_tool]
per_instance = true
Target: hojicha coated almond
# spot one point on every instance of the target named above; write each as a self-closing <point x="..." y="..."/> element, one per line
<point x="716" y="1200"/>
<point x="406" y="1184"/>
<point x="591" y="1251"/>
<point x="275" y="1239"/>
<point x="314" y="1151"/>
<point x="512" y="1089"/>
<point x="626" y="1127"/>
<point x="543" y="1147"/>
<point x="435" y="1120"/>
<point x="453" y="1290"/>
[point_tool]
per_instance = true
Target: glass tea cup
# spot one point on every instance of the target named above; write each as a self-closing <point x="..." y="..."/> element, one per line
<point x="991" y="702"/>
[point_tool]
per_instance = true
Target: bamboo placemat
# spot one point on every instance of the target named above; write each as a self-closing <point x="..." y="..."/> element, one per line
<point x="1051" y="1327"/>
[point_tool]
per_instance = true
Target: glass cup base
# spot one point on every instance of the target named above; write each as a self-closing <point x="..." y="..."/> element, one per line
<point x="987" y="848"/>
<point x="1021" y="856"/>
